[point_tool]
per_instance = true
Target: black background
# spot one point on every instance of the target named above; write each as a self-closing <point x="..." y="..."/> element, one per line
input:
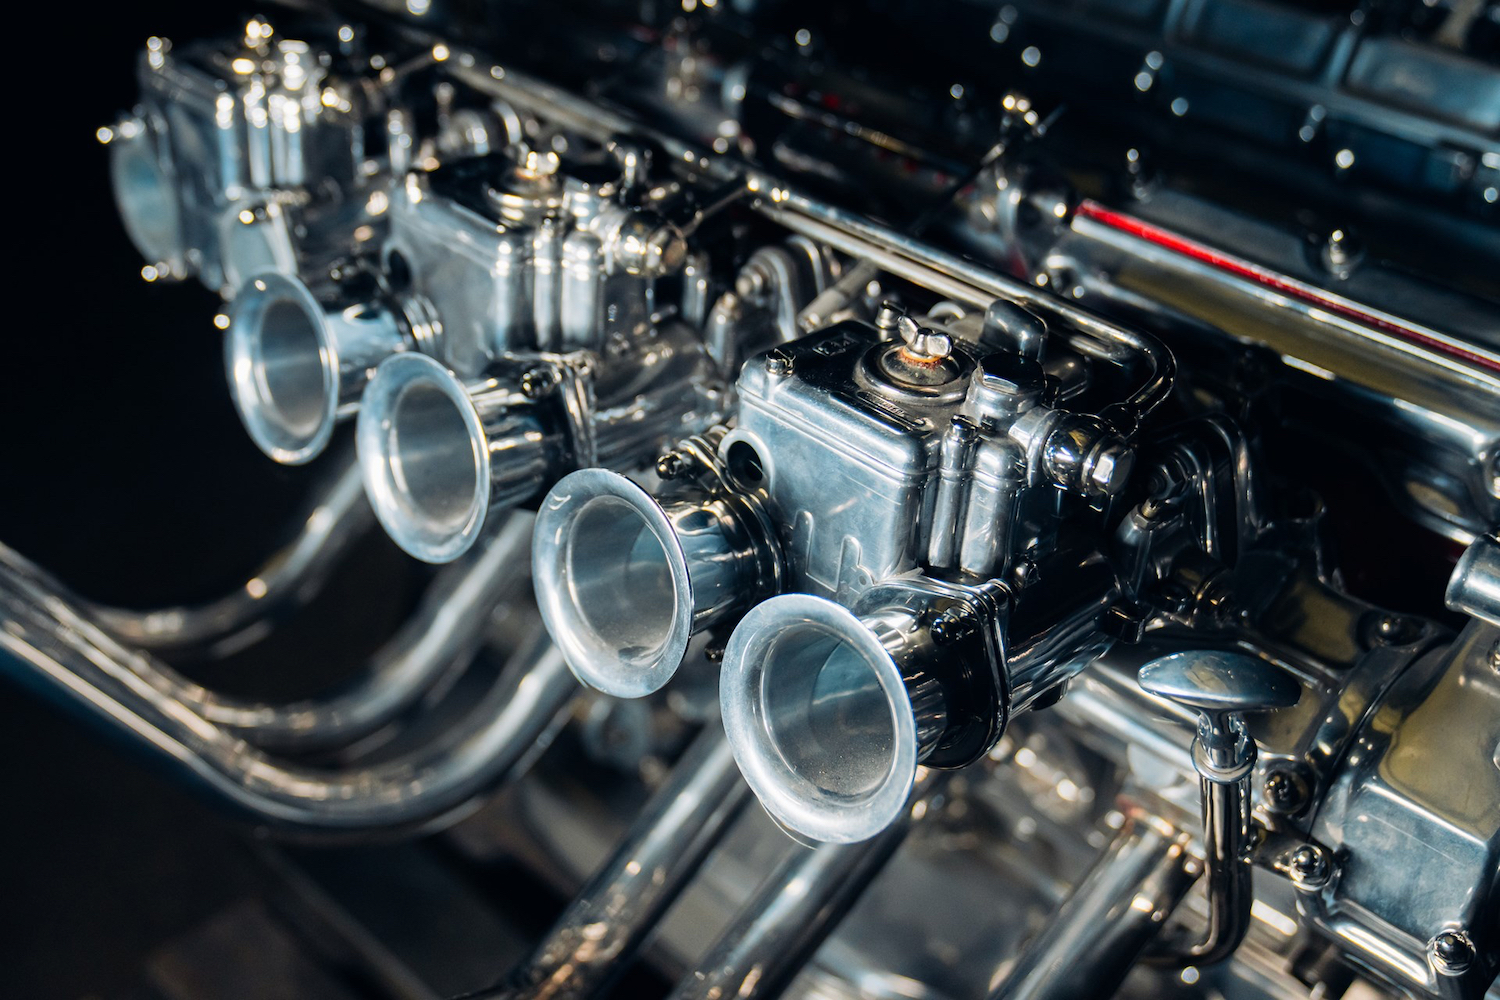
<point x="125" y="472"/>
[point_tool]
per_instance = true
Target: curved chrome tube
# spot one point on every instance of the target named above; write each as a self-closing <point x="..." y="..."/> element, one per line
<point x="337" y="516"/>
<point x="48" y="644"/>
<point x="1111" y="917"/>
<point x="444" y="632"/>
<point x="1221" y="687"/>
<point x="795" y="909"/>
<point x="605" y="926"/>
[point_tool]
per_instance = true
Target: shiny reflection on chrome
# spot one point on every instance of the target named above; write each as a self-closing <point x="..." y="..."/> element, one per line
<point x="146" y="194"/>
<point x="614" y="582"/>
<point x="819" y="717"/>
<point x="422" y="454"/>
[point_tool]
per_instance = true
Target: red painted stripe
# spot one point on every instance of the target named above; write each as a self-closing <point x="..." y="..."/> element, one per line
<point x="1287" y="286"/>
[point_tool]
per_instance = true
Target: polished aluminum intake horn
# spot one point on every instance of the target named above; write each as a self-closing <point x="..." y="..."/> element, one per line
<point x="298" y="361"/>
<point x="143" y="176"/>
<point x="623" y="580"/>
<point x="439" y="456"/>
<point x="830" y="710"/>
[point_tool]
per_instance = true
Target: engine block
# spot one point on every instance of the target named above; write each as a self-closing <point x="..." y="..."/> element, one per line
<point x="950" y="427"/>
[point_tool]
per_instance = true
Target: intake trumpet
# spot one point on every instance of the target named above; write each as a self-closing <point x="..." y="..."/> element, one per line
<point x="298" y="358"/>
<point x="438" y="455"/>
<point x="830" y="708"/>
<point x="624" y="578"/>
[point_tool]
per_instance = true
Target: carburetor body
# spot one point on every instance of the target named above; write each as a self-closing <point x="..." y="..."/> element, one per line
<point x="529" y="255"/>
<point x="947" y="603"/>
<point x="244" y="157"/>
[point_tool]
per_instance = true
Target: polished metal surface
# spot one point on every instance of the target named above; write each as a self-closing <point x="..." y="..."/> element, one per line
<point x="604" y="927"/>
<point x="335" y="517"/>
<point x="438" y="455"/>
<point x="817" y="710"/>
<point x="683" y="567"/>
<point x="1423" y="787"/>
<point x="297" y="365"/>
<point x="794" y="909"/>
<point x="1088" y="514"/>
<point x="244" y="155"/>
<point x="1111" y="917"/>
<point x="49" y="644"/>
<point x="1474" y="587"/>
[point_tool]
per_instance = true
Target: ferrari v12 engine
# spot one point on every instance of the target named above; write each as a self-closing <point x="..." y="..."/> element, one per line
<point x="1052" y="463"/>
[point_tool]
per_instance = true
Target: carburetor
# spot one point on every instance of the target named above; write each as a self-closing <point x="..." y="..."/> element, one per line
<point x="245" y="156"/>
<point x="545" y="350"/>
<point x="925" y="617"/>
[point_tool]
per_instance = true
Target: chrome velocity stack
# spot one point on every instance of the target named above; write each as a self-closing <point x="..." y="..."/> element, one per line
<point x="298" y="360"/>
<point x="624" y="579"/>
<point x="830" y="710"/>
<point x="438" y="456"/>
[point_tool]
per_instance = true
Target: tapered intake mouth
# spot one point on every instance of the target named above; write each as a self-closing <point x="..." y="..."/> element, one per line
<point x="283" y="368"/>
<point x="425" y="457"/>
<point x="146" y="194"/>
<point x="614" y="582"/>
<point x="819" y="718"/>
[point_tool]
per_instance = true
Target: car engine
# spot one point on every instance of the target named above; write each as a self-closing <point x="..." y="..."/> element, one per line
<point x="955" y="500"/>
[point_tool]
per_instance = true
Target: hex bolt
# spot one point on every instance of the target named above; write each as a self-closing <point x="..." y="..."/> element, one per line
<point x="1111" y="468"/>
<point x="1285" y="791"/>
<point x="537" y="382"/>
<point x="778" y="363"/>
<point x="1451" y="952"/>
<point x="671" y="466"/>
<point x="1495" y="657"/>
<point x="1308" y="868"/>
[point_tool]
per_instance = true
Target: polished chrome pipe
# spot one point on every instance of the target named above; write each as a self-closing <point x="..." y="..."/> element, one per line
<point x="1112" y="916"/>
<point x="604" y="927"/>
<point x="441" y="636"/>
<point x="297" y="362"/>
<point x="438" y="455"/>
<point x="46" y="643"/>
<point x="796" y="908"/>
<point x="623" y="579"/>
<point x="336" y="517"/>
